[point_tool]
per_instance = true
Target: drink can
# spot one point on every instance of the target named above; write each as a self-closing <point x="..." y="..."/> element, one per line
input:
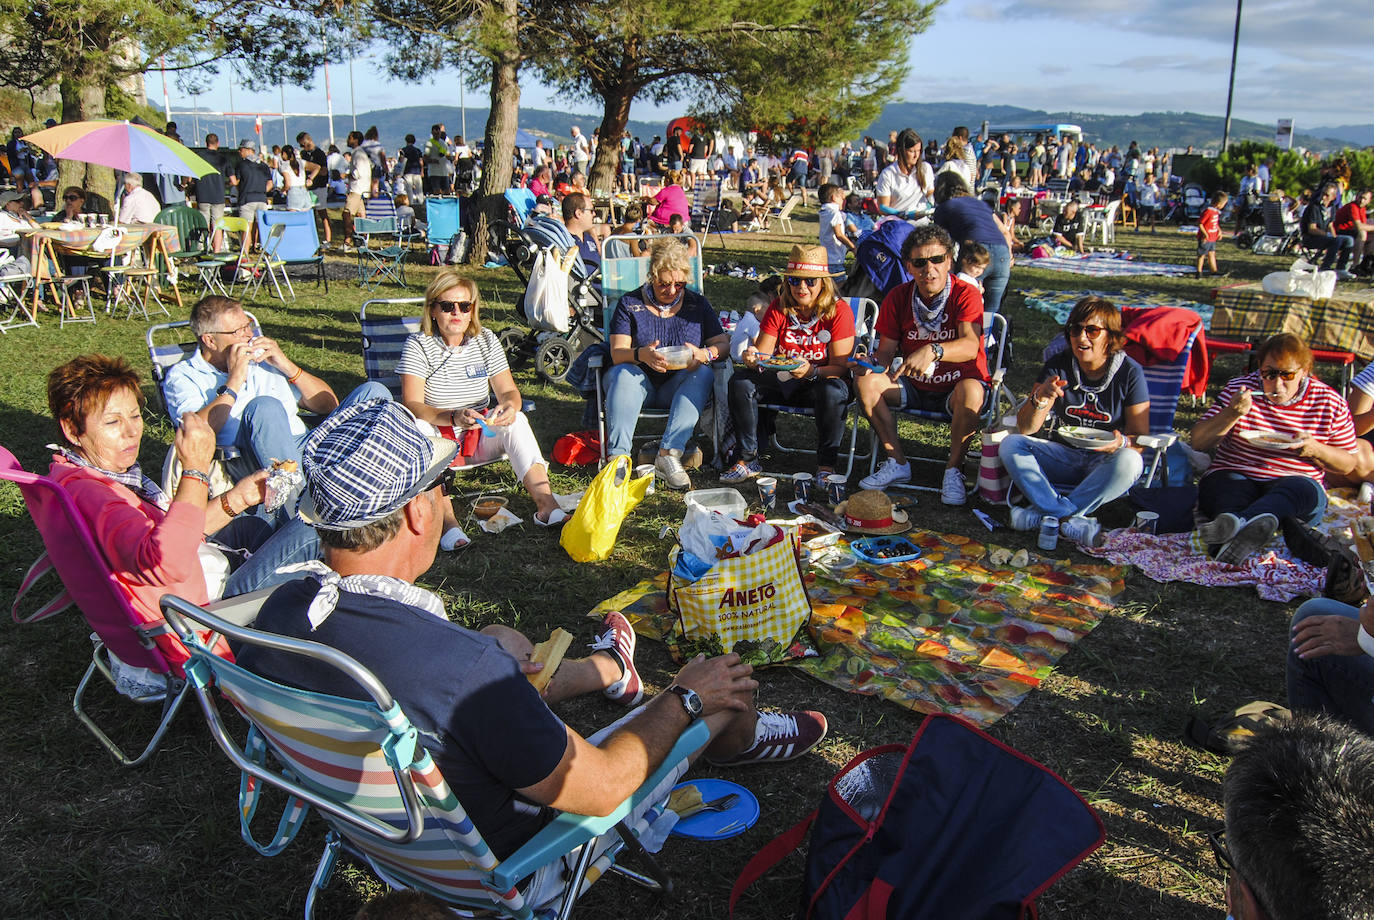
<point x="1147" y="522"/>
<point x="527" y="406"/>
<point x="801" y="486"/>
<point x="1049" y="533"/>
<point x="646" y="469"/>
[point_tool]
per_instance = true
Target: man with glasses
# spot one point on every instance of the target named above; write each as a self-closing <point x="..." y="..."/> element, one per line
<point x="905" y="186"/>
<point x="580" y="219"/>
<point x="1299" y="811"/>
<point x="247" y="389"/>
<point x="934" y="322"/>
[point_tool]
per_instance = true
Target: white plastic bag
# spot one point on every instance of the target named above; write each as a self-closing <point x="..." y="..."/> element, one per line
<point x="107" y="239"/>
<point x="1303" y="279"/>
<point x="546" y="297"/>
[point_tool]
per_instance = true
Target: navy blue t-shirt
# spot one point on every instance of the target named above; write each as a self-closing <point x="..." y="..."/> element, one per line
<point x="969" y="219"/>
<point x="482" y="721"/>
<point x="696" y="322"/>
<point x="1105" y="410"/>
<point x="253" y="177"/>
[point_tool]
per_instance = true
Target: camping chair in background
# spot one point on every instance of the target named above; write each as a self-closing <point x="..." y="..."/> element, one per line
<point x="128" y="282"/>
<point x="865" y="320"/>
<point x="999" y="403"/>
<point x="209" y="267"/>
<point x="383" y="339"/>
<point x="706" y="208"/>
<point x="376" y="262"/>
<point x="49" y="273"/>
<point x="14" y="289"/>
<point x="444" y="229"/>
<point x="408" y="827"/>
<point x="1279" y="236"/>
<point x="1102" y="221"/>
<point x="193" y="232"/>
<point x="783" y="214"/>
<point x="269" y="265"/>
<point x="381" y="207"/>
<point x="299" y="243"/>
<point x="522" y="203"/>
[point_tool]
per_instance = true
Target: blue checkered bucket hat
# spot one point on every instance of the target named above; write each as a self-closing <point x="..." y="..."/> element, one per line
<point x="366" y="461"/>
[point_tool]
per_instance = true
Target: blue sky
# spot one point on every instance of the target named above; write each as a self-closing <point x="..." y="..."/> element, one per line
<point x="1313" y="62"/>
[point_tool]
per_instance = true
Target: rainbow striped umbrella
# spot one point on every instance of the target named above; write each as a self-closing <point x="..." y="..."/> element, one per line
<point x="120" y="145"/>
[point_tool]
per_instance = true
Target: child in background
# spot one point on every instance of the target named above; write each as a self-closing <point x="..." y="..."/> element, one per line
<point x="405" y="215"/>
<point x="974" y="259"/>
<point x="1147" y="200"/>
<point x="834" y="232"/>
<point x="747" y="329"/>
<point x="1209" y="232"/>
<point x="856" y="218"/>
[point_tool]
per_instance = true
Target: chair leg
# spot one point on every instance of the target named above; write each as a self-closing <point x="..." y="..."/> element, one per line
<point x="575" y="879"/>
<point x="172" y="696"/>
<point x="324" y="871"/>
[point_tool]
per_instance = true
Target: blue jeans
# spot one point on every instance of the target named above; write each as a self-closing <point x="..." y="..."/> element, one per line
<point x="995" y="278"/>
<point x="1042" y="468"/>
<point x="1338" y="685"/>
<point x="628" y="389"/>
<point x="295" y="541"/>
<point x="265" y="429"/>
<point x="828" y="397"/>
<point x="1227" y="491"/>
<point x="1334" y="249"/>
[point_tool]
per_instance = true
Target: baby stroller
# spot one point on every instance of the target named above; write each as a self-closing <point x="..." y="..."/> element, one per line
<point x="552" y="351"/>
<point x="1194" y="202"/>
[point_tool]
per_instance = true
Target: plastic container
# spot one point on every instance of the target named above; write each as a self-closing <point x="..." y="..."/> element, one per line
<point x="1049" y="533"/>
<point x="884" y="550"/>
<point x="726" y="501"/>
<point x="677" y="356"/>
<point x="488" y="506"/>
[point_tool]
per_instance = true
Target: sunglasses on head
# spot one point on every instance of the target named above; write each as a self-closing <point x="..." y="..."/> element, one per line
<point x="798" y="282"/>
<point x="1273" y="373"/>
<point x="1088" y="329"/>
<point x="919" y="264"/>
<point x="449" y="306"/>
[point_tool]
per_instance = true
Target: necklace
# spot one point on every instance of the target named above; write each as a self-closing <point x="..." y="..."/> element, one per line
<point x="652" y="303"/>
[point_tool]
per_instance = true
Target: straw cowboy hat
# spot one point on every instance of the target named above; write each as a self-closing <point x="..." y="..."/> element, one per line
<point x="871" y="512"/>
<point x="808" y="262"/>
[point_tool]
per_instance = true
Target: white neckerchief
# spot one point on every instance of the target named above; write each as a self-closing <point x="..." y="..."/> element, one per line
<point x="1113" y="365"/>
<point x="383" y="586"/>
<point x="929" y="318"/>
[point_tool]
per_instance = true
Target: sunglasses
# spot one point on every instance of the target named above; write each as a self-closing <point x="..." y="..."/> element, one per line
<point x="1091" y="331"/>
<point x="71" y="198"/>
<point x="671" y="285"/>
<point x="451" y="306"/>
<point x="445" y="481"/>
<point x="919" y="264"/>
<point x="1273" y="373"/>
<point x="798" y="282"/>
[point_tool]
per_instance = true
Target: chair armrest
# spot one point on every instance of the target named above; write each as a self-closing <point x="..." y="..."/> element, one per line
<point x="241" y="610"/>
<point x="569" y="831"/>
<point x="596" y="362"/>
<point x="1156" y="441"/>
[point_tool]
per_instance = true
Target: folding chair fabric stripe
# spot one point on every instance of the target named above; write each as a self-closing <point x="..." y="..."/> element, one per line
<point x="384" y="338"/>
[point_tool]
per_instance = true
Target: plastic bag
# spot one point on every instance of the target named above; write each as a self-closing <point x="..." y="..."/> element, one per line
<point x="589" y="535"/>
<point x="709" y="536"/>
<point x="1303" y="279"/>
<point x="546" y="297"/>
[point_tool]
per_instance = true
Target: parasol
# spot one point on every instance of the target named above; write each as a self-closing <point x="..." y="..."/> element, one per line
<point x="120" y="145"/>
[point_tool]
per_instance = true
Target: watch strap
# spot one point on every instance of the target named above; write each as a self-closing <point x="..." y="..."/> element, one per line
<point x="229" y="391"/>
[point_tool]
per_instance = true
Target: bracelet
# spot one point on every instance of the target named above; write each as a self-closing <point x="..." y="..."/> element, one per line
<point x="224" y="503"/>
<point x="296" y="376"/>
<point x="1041" y="402"/>
<point x="1366" y="641"/>
<point x="197" y="475"/>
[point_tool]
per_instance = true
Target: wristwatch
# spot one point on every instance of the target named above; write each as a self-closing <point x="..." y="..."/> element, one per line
<point x="229" y="391"/>
<point x="939" y="351"/>
<point x="690" y="701"/>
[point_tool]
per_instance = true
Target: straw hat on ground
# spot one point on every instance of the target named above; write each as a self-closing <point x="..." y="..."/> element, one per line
<point x="871" y="512"/>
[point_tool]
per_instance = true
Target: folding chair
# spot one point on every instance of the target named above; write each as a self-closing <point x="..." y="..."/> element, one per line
<point x="268" y="264"/>
<point x="522" y="203"/>
<point x="1000" y="400"/>
<point x="865" y="339"/>
<point x="377" y="263"/>
<point x="443" y="221"/>
<point x="706" y="208"/>
<point x="193" y="232"/>
<point x="783" y="215"/>
<point x="90" y="585"/>
<point x="50" y="273"/>
<point x="127" y="282"/>
<point x="384" y="337"/>
<point x="209" y="267"/>
<point x="359" y="763"/>
<point x="14" y="290"/>
<point x="299" y="243"/>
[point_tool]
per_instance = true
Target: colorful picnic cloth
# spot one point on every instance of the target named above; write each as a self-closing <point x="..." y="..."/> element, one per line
<point x="1276" y="575"/>
<point x="1059" y="303"/>
<point x="948" y="632"/>
<point x="1341" y="323"/>
<point x="1106" y="264"/>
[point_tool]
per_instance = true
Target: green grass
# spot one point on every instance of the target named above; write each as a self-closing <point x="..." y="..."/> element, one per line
<point x="87" y="839"/>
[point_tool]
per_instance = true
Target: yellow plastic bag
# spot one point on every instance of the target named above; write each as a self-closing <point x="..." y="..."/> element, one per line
<point x="589" y="536"/>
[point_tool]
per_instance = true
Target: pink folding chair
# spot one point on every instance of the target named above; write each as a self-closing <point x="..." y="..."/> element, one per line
<point x="90" y="585"/>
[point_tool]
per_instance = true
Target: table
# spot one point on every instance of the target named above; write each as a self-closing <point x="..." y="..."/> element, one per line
<point x="1344" y="322"/>
<point x="46" y="242"/>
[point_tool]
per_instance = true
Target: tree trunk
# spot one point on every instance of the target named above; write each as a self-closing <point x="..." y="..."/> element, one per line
<point x="499" y="145"/>
<point x="83" y="99"/>
<point x="614" y="117"/>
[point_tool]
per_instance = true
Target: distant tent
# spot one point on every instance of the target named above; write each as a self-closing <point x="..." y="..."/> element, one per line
<point x="523" y="138"/>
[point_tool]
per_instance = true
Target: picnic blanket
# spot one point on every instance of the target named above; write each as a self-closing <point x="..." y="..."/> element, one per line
<point x="1341" y="323"/>
<point x="1276" y="575"/>
<point x="1059" y="303"/>
<point x="1107" y="264"/>
<point x="948" y="632"/>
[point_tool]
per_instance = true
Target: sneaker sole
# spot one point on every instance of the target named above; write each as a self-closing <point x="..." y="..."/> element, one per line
<point x="1248" y="540"/>
<point x="1213" y="531"/>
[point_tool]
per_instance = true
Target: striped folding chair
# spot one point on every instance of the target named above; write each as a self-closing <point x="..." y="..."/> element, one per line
<point x="384" y="337"/>
<point x="359" y="763"/>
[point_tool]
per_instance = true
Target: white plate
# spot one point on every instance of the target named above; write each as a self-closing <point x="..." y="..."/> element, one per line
<point x="1086" y="438"/>
<point x="1271" y="439"/>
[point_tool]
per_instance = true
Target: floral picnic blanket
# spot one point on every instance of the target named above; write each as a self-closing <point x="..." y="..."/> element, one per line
<point x="1107" y="264"/>
<point x="951" y="631"/>
<point x="1059" y="303"/>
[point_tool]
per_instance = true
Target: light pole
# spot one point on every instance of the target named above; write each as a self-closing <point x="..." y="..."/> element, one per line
<point x="1231" y="87"/>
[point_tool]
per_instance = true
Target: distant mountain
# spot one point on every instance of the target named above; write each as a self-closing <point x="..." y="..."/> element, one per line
<point x="1359" y="134"/>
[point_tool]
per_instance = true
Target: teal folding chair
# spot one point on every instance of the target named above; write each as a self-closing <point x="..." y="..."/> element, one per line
<point x="378" y="262"/>
<point x="359" y="763"/>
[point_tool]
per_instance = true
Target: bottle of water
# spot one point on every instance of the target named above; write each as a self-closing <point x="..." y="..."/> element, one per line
<point x="1049" y="533"/>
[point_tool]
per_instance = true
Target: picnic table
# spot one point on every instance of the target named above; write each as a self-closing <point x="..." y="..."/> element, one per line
<point x="1343" y="322"/>
<point x="47" y="241"/>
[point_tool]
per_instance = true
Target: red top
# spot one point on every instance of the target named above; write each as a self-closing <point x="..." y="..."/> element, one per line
<point x="1209" y="227"/>
<point x="1348" y="216"/>
<point x="807" y="340"/>
<point x="897" y="322"/>
<point x="1319" y="411"/>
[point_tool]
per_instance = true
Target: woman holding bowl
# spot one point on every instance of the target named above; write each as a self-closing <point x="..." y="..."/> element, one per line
<point x="663" y="340"/>
<point x="1091" y="385"/>
<point x="153" y="542"/>
<point x="809" y="328"/>
<point x="1277" y="432"/>
<point x="449" y="371"/>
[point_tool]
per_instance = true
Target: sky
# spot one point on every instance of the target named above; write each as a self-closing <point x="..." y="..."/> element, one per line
<point x="1300" y="59"/>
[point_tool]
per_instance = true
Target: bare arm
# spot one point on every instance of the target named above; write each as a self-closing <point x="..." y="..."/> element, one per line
<point x="1208" y="432"/>
<point x="1362" y="411"/>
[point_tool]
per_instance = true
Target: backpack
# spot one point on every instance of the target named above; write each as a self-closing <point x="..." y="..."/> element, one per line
<point x="954" y="824"/>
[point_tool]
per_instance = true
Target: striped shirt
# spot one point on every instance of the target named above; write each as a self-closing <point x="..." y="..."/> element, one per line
<point x="1364" y="380"/>
<point x="1318" y="411"/>
<point x="455" y="376"/>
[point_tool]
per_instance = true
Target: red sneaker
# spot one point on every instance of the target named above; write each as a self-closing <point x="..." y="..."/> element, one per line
<point x="617" y="638"/>
<point x="779" y="736"/>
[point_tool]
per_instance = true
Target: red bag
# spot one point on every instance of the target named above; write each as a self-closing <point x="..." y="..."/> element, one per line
<point x="578" y="448"/>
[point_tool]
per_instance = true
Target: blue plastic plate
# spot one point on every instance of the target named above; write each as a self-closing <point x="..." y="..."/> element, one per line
<point x="708" y="825"/>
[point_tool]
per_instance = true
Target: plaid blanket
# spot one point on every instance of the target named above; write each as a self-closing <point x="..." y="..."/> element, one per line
<point x="1105" y="265"/>
<point x="1247" y="311"/>
<point x="1059" y="303"/>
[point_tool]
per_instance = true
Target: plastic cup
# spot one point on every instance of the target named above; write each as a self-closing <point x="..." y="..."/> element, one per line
<point x="1146" y="522"/>
<point x="768" y="492"/>
<point x="646" y="469"/>
<point x="801" y="486"/>
<point x="837" y="487"/>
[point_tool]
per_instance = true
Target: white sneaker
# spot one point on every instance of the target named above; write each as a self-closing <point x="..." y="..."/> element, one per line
<point x="891" y="471"/>
<point x="1221" y="528"/>
<point x="952" y="490"/>
<point x="1084" y="531"/>
<point x="1343" y="275"/>
<point x="1024" y="518"/>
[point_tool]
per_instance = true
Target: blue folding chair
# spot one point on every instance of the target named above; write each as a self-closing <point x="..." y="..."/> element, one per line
<point x="443" y="223"/>
<point x="384" y="337"/>
<point x="379" y="260"/>
<point x="522" y="203"/>
<point x="299" y="243"/>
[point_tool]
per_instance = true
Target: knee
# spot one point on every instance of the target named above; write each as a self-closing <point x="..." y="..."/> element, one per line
<point x="1013" y="446"/>
<point x="262" y="408"/>
<point x="1128" y="462"/>
<point x="513" y="641"/>
<point x="372" y="389"/>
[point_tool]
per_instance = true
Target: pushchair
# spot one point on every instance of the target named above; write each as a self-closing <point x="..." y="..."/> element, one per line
<point x="552" y="352"/>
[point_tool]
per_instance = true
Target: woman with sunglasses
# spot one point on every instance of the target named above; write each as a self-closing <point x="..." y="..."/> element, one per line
<point x="1276" y="434"/>
<point x="449" y="371"/>
<point x="1091" y="384"/>
<point x="662" y="313"/>
<point x="807" y="323"/>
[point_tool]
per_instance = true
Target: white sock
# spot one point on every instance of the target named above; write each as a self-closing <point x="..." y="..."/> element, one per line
<point x="452" y="538"/>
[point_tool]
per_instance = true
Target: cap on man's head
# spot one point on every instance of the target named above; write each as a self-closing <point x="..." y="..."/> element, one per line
<point x="247" y="144"/>
<point x="7" y="197"/>
<point x="365" y="461"/>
